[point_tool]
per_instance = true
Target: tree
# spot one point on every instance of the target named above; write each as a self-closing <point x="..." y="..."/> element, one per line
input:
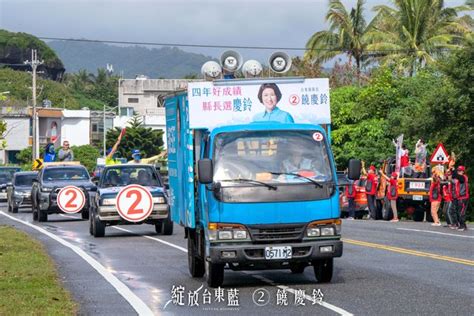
<point x="346" y="34"/>
<point x="87" y="155"/>
<point x="415" y="32"/>
<point x="145" y="139"/>
<point x="305" y="68"/>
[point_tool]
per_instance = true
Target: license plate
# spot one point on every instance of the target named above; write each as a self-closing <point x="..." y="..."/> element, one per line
<point x="417" y="185"/>
<point x="272" y="253"/>
<point x="417" y="197"/>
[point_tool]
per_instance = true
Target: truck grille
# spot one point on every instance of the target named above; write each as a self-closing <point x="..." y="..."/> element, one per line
<point x="276" y="233"/>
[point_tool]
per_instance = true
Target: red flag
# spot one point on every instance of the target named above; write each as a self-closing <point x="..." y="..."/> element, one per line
<point x="122" y="132"/>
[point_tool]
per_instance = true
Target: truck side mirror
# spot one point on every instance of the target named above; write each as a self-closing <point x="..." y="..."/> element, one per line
<point x="205" y="171"/>
<point x="354" y="169"/>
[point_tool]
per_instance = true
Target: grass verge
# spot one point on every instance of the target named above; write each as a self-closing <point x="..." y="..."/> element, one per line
<point x="29" y="283"/>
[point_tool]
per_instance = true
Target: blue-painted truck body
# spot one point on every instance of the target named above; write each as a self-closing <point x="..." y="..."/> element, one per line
<point x="260" y="217"/>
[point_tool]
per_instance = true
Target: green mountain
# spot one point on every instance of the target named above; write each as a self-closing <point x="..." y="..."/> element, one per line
<point x="129" y="61"/>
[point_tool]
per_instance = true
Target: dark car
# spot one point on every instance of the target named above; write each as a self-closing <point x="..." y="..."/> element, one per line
<point x="104" y="207"/>
<point x="50" y="180"/>
<point x="19" y="191"/>
<point x="6" y="177"/>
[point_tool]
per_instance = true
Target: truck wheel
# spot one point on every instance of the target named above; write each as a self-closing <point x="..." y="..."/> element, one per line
<point x="195" y="264"/>
<point x="42" y="215"/>
<point x="418" y="215"/>
<point x="386" y="210"/>
<point x="168" y="227"/>
<point x="323" y="270"/>
<point x="91" y="224"/>
<point x="214" y="274"/>
<point x="85" y="214"/>
<point x="14" y="209"/>
<point x="9" y="209"/>
<point x="297" y="268"/>
<point x="98" y="227"/>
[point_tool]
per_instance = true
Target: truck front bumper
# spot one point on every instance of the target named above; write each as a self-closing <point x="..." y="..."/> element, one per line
<point x="255" y="254"/>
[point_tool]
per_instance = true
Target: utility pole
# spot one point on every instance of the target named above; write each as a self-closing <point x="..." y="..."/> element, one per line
<point x="34" y="63"/>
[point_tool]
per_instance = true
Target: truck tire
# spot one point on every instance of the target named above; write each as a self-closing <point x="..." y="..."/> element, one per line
<point x="195" y="263"/>
<point x="91" y="224"/>
<point x="9" y="208"/>
<point x="297" y="268"/>
<point x="98" y="227"/>
<point x="168" y="227"/>
<point x="42" y="215"/>
<point x="386" y="210"/>
<point x="323" y="270"/>
<point x="14" y="209"/>
<point x="418" y="215"/>
<point x="214" y="274"/>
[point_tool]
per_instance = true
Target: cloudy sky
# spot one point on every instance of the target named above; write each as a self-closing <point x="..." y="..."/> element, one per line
<point x="269" y="23"/>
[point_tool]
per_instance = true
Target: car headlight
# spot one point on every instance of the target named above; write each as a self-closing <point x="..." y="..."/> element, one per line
<point x="327" y="231"/>
<point x="108" y="202"/>
<point x="313" y="232"/>
<point x="45" y="189"/>
<point x="159" y="199"/>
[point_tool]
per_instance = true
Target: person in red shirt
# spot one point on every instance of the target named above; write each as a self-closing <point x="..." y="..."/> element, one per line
<point x="392" y="194"/>
<point x="435" y="199"/>
<point x="351" y="194"/>
<point x="448" y="198"/>
<point x="462" y="194"/>
<point x="370" y="191"/>
<point x="404" y="161"/>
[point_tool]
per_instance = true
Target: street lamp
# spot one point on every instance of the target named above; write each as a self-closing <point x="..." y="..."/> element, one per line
<point x="103" y="122"/>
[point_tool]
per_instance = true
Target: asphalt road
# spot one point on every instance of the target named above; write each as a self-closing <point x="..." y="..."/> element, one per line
<point x="386" y="269"/>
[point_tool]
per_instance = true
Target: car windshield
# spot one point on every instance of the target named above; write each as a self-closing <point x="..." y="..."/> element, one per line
<point x="6" y="174"/>
<point x="60" y="174"/>
<point x="25" y="179"/>
<point x="272" y="157"/>
<point x="122" y="176"/>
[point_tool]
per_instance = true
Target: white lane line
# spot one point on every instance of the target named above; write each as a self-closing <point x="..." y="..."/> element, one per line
<point x="432" y="232"/>
<point x="152" y="238"/>
<point x="140" y="307"/>
<point x="68" y="216"/>
<point x="336" y="309"/>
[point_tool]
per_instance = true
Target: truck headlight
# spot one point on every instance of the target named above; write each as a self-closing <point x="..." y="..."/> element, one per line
<point x="224" y="234"/>
<point x="327" y="231"/>
<point x="46" y="189"/>
<point x="240" y="234"/>
<point x="159" y="200"/>
<point x="219" y="231"/>
<point x="313" y="232"/>
<point x="108" y="202"/>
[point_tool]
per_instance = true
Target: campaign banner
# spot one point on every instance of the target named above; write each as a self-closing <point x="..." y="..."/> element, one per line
<point x="241" y="102"/>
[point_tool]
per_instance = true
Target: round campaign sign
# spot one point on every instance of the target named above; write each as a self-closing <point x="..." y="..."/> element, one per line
<point x="318" y="136"/>
<point x="134" y="203"/>
<point x="294" y="99"/>
<point x="71" y="199"/>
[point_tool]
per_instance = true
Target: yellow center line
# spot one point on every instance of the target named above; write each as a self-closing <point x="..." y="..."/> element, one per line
<point x="409" y="252"/>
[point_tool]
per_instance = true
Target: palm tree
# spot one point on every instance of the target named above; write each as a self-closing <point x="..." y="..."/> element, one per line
<point x="415" y="32"/>
<point x="346" y="34"/>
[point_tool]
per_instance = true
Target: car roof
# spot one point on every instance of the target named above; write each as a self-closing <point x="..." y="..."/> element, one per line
<point x="64" y="166"/>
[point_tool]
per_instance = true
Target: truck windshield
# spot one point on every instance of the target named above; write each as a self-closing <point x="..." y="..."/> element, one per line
<point x="26" y="180"/>
<point x="272" y="157"/>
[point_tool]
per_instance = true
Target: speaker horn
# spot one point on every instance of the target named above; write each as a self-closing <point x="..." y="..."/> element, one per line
<point x="252" y="68"/>
<point x="231" y="61"/>
<point x="211" y="70"/>
<point x="279" y="62"/>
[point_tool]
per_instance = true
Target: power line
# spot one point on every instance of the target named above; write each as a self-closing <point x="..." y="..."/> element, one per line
<point x="224" y="46"/>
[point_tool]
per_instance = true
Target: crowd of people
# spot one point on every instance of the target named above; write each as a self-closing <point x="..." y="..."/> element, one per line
<point x="449" y="188"/>
<point x="64" y="154"/>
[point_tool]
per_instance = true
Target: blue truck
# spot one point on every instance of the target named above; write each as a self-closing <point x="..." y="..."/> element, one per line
<point x="250" y="191"/>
